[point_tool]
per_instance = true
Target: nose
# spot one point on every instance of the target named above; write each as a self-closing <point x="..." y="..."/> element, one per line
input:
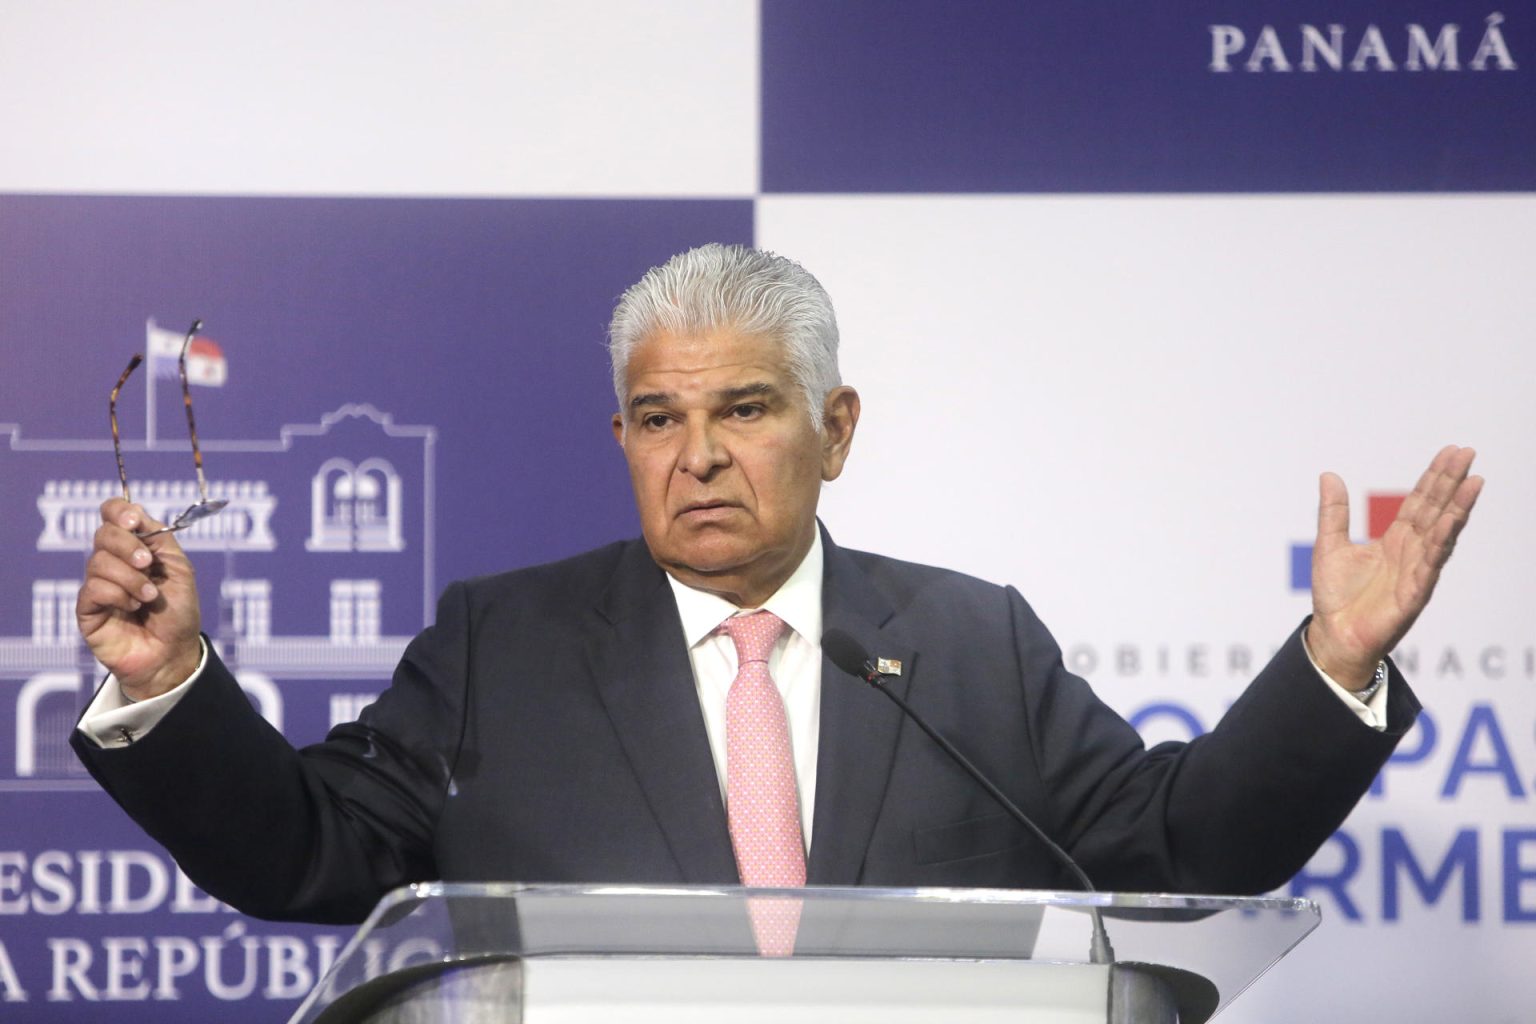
<point x="702" y="453"/>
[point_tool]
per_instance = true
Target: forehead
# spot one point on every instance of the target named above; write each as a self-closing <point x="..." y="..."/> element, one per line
<point x="705" y="359"/>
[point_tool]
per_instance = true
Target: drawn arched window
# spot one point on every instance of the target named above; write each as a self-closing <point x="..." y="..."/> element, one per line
<point x="330" y="517"/>
<point x="376" y="507"/>
<point x="355" y="507"/>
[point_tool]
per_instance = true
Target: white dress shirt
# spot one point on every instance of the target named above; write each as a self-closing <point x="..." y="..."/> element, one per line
<point x="112" y="720"/>
<point x="794" y="664"/>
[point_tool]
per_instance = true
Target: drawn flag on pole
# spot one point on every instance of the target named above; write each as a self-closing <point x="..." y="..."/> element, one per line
<point x="205" y="360"/>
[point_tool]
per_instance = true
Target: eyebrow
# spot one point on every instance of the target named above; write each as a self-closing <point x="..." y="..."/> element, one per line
<point x="759" y="389"/>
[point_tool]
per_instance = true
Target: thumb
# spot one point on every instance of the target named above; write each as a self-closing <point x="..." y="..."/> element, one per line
<point x="1332" y="512"/>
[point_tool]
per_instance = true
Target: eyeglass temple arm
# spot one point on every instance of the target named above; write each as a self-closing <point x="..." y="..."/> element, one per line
<point x="186" y="400"/>
<point x="117" y="444"/>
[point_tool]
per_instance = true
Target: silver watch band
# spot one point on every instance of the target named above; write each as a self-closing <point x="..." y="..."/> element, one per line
<point x="1364" y="696"/>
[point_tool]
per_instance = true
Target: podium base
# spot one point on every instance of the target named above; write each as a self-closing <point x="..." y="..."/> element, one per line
<point x="653" y="990"/>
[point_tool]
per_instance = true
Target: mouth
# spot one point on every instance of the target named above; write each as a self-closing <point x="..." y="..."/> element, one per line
<point x="705" y="509"/>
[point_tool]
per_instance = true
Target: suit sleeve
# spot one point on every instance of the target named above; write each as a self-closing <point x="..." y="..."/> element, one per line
<point x="317" y="834"/>
<point x="1238" y="810"/>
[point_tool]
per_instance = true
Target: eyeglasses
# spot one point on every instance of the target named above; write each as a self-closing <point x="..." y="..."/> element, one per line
<point x="205" y="506"/>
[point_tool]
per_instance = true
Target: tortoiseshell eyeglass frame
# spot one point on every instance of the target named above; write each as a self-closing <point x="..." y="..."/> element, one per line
<point x="205" y="506"/>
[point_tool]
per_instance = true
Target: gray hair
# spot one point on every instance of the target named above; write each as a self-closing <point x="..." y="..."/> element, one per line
<point x="748" y="290"/>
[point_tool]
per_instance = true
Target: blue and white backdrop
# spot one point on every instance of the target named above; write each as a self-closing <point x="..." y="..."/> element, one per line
<point x="1116" y="282"/>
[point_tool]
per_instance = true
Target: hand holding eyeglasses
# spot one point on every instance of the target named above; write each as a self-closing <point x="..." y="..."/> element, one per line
<point x="138" y="607"/>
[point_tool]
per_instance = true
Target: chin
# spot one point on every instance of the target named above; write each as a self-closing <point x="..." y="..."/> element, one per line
<point x="711" y="558"/>
<point x="709" y="564"/>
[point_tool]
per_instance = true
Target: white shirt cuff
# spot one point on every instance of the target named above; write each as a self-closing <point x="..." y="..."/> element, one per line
<point x="112" y="720"/>
<point x="1372" y="712"/>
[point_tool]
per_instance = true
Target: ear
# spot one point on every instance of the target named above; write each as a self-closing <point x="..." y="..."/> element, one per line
<point x="839" y="418"/>
<point x="618" y="428"/>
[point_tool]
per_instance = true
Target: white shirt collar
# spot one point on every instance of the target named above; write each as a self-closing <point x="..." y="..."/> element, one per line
<point x="797" y="602"/>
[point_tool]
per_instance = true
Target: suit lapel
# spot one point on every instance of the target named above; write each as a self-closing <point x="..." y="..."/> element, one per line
<point x="859" y="728"/>
<point x="640" y="661"/>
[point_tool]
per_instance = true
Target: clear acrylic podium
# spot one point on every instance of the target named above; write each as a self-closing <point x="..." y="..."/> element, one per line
<point x="561" y="954"/>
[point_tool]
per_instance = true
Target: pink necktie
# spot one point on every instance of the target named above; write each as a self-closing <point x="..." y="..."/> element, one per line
<point x="761" y="800"/>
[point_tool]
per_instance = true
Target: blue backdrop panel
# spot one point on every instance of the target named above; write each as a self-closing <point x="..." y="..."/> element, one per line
<point x="482" y="318"/>
<point x="997" y="96"/>
<point x="417" y="391"/>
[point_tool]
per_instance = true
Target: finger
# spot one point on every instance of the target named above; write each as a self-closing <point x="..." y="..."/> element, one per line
<point x="1443" y="487"/>
<point x="131" y="517"/>
<point x="105" y="566"/>
<point x="1442" y="538"/>
<point x="100" y="597"/>
<point x="123" y="513"/>
<point x="1462" y="501"/>
<point x="118" y="552"/>
<point x="1466" y="497"/>
<point x="1332" y="512"/>
<point x="136" y="528"/>
<point x="165" y="548"/>
<point x="122" y="544"/>
<point x="1408" y="511"/>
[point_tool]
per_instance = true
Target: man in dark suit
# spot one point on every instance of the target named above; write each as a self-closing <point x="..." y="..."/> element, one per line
<point x="589" y="720"/>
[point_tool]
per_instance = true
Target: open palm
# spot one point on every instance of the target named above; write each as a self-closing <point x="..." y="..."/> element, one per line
<point x="1366" y="596"/>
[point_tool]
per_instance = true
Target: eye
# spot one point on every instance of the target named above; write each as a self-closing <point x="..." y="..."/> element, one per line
<point x="748" y="411"/>
<point x="654" y="421"/>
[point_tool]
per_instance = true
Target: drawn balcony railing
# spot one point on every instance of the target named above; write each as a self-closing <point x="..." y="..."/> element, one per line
<point x="25" y="655"/>
<point x="71" y="513"/>
<point x="325" y="657"/>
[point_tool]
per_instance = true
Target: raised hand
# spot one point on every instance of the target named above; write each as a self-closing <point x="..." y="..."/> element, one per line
<point x="138" y="606"/>
<point x="1366" y="596"/>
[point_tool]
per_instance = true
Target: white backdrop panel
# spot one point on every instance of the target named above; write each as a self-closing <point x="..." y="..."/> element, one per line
<point x="583" y="97"/>
<point x="1121" y="405"/>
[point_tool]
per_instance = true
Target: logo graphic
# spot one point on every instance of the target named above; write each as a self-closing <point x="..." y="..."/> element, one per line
<point x="1381" y="509"/>
<point x="320" y="568"/>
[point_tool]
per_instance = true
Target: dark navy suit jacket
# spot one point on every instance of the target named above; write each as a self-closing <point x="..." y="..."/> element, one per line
<point x="547" y="729"/>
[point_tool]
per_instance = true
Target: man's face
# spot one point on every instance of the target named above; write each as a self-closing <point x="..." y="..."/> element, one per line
<point x="724" y="461"/>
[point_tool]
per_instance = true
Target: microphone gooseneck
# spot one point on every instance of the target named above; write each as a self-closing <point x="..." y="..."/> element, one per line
<point x="849" y="655"/>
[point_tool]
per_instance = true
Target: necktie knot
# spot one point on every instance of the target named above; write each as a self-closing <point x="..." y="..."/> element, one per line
<point x="754" y="635"/>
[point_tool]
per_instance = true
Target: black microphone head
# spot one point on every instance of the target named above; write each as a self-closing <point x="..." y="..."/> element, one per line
<point x="846" y="653"/>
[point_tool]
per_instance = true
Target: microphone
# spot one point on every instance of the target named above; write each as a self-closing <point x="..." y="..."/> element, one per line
<point x="849" y="655"/>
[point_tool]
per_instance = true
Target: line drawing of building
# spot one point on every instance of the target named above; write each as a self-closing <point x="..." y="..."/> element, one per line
<point x="321" y="566"/>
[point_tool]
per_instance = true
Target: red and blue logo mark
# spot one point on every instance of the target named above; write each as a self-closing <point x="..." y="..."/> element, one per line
<point x="1381" y="509"/>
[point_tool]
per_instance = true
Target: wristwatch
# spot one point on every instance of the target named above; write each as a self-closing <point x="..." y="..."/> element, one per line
<point x="1364" y="696"/>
